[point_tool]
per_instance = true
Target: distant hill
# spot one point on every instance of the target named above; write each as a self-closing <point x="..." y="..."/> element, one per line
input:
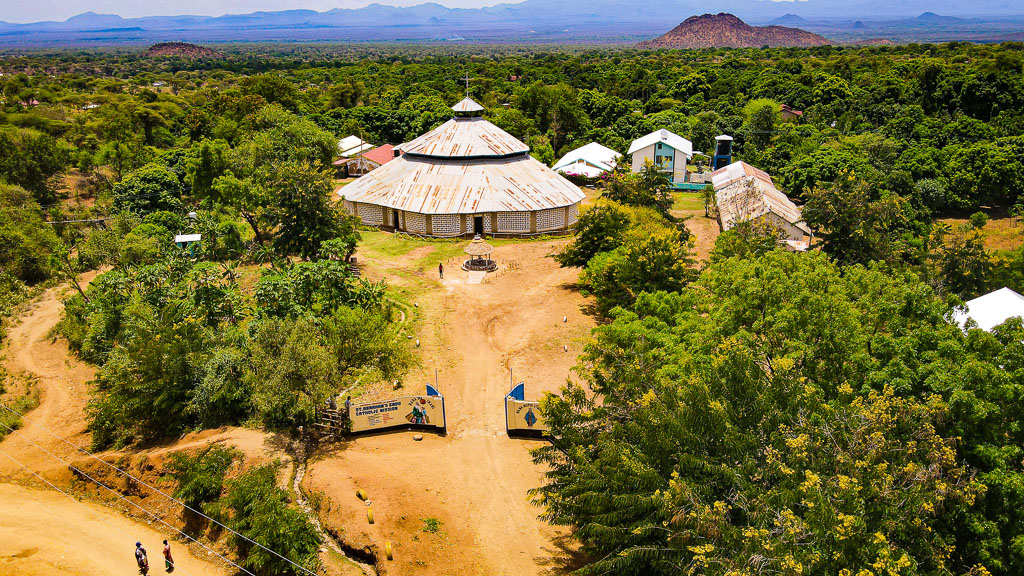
<point x="727" y="31"/>
<point x="180" y="50"/>
<point x="789" y="20"/>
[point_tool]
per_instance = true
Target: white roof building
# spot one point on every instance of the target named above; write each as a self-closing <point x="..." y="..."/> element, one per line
<point x="744" y="193"/>
<point x="591" y="161"/>
<point x="662" y="137"/>
<point x="466" y="176"/>
<point x="669" y="152"/>
<point x="350" y="146"/>
<point x="991" y="310"/>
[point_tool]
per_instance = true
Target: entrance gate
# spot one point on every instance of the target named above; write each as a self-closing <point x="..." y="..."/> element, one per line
<point x="522" y="418"/>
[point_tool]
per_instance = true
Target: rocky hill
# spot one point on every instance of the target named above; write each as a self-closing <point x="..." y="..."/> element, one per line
<point x="181" y="50"/>
<point x="727" y="31"/>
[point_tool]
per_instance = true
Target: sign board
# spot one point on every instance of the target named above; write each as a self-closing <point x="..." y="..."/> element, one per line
<point x="522" y="418"/>
<point x="401" y="412"/>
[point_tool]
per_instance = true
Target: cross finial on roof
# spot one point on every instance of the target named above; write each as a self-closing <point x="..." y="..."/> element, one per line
<point x="467" y="84"/>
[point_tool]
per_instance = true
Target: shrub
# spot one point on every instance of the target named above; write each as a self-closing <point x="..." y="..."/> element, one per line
<point x="200" y="476"/>
<point x="978" y="220"/>
<point x="259" y="511"/>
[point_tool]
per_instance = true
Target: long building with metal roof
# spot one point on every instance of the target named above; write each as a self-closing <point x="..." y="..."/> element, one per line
<point x="465" y="177"/>
<point x="744" y="193"/>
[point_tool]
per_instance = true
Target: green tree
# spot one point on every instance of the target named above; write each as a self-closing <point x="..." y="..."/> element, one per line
<point x="599" y="229"/>
<point x="304" y="213"/>
<point x="259" y="511"/>
<point x="26" y="240"/>
<point x="661" y="261"/>
<point x="149" y="189"/>
<point x="200" y="476"/>
<point x="650" y="187"/>
<point x="755" y="419"/>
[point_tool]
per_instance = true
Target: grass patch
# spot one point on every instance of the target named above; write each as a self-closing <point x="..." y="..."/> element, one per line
<point x="998" y="233"/>
<point x="688" y="202"/>
<point x="431" y="525"/>
<point x="22" y="404"/>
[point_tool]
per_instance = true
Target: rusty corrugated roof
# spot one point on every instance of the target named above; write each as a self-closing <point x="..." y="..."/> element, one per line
<point x="467" y="105"/>
<point x="466" y="138"/>
<point x="744" y="193"/>
<point x="460" y="186"/>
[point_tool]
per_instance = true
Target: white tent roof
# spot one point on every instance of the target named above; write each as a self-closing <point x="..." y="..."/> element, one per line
<point x="352" y="146"/>
<point x="664" y="137"/>
<point x="992" y="309"/>
<point x="589" y="160"/>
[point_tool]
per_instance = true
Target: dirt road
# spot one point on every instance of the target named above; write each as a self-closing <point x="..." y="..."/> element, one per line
<point x="475" y="480"/>
<point x="43" y="533"/>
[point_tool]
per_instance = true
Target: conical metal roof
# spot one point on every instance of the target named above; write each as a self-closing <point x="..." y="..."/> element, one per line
<point x="466" y="138"/>
<point x="467" y="105"/>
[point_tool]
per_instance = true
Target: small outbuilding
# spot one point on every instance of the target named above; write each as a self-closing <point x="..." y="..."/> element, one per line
<point x="744" y="194"/>
<point x="591" y="161"/>
<point x="669" y="152"/>
<point x="790" y="114"/>
<point x="479" y="256"/>
<point x="991" y="310"/>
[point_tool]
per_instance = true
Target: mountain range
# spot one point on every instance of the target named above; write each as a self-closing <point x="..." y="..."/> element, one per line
<point x="618" y="21"/>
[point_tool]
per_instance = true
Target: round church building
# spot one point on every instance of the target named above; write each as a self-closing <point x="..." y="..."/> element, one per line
<point x="465" y="177"/>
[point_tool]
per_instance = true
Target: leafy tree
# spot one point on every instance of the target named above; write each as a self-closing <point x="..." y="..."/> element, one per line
<point x="657" y="262"/>
<point x="599" y="229"/>
<point x="649" y="187"/>
<point x="30" y="160"/>
<point x="761" y="418"/>
<point x="964" y="265"/>
<point x="305" y="216"/>
<point x="762" y="116"/>
<point x="853" y="227"/>
<point x="747" y="239"/>
<point x="26" y="241"/>
<point x="149" y="189"/>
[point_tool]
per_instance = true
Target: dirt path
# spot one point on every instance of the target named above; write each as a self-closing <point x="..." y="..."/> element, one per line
<point x="475" y="480"/>
<point x="60" y="378"/>
<point x="43" y="533"/>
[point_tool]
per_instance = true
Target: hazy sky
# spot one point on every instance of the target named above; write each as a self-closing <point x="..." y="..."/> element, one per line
<point x="38" y="10"/>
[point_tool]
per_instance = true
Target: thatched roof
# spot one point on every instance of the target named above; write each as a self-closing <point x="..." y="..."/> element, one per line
<point x="478" y="248"/>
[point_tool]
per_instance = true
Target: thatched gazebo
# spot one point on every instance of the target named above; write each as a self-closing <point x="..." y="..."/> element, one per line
<point x="479" y="256"/>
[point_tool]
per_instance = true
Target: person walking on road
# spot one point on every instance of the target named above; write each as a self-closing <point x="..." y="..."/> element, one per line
<point x="168" y="560"/>
<point x="440" y="270"/>
<point x="141" y="559"/>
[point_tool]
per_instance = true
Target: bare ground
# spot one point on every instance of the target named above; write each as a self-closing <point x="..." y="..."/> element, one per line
<point x="475" y="480"/>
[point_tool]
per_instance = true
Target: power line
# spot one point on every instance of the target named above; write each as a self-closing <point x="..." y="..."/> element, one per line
<point x="122" y="497"/>
<point x="76" y="500"/>
<point x="162" y="493"/>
